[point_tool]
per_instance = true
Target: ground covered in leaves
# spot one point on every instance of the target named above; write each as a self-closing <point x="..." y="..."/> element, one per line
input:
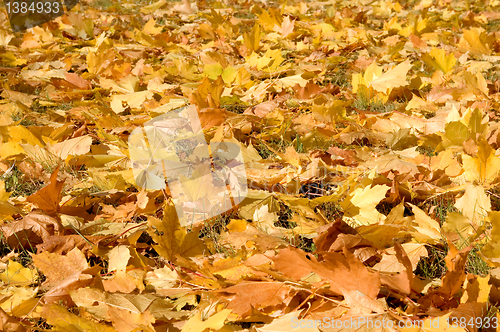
<point x="370" y="136"/>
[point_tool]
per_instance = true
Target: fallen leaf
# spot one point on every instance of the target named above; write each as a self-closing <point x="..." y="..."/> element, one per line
<point x="35" y="228"/>
<point x="48" y="197"/>
<point x="63" y="320"/>
<point x="18" y="275"/>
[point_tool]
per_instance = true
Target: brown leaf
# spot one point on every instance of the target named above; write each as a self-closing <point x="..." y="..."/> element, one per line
<point x="473" y="312"/>
<point x="347" y="157"/>
<point x="9" y="324"/>
<point x="262" y="109"/>
<point x="348" y="241"/>
<point x="417" y="41"/>
<point x="77" y="81"/>
<point x="308" y="91"/>
<point x="258" y="295"/>
<point x="48" y="197"/>
<point x="72" y="81"/>
<point x="60" y="293"/>
<point x="62" y="244"/>
<point x="328" y="234"/>
<point x="455" y="276"/>
<point x="400" y="282"/>
<point x="33" y="229"/>
<point x="171" y="238"/>
<point x="351" y="274"/>
<point x="360" y="304"/>
<point x="125" y="282"/>
<point x="211" y="117"/>
<point x="58" y="267"/>
<point x="32" y="171"/>
<point x="343" y="270"/>
<point x="444" y="297"/>
<point x="252" y="237"/>
<point x="208" y="94"/>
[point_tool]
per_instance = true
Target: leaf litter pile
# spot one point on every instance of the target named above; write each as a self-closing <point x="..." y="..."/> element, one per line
<point x="370" y="137"/>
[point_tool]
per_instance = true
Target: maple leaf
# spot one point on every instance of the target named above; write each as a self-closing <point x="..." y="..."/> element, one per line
<point x="16" y="274"/>
<point x="64" y="320"/>
<point x="172" y="239"/>
<point x="438" y="59"/>
<point x="336" y="267"/>
<point x="393" y="78"/>
<point x="36" y="227"/>
<point x="361" y="203"/>
<point x="208" y="94"/>
<point x="256" y="295"/>
<point x="10" y="323"/>
<point x="484" y="168"/>
<point x="48" y="197"/>
<point x="57" y="267"/>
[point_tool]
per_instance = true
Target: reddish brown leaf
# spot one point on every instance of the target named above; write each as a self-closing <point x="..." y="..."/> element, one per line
<point x="343" y="271"/>
<point x="258" y="295"/>
<point x="58" y="267"/>
<point x="308" y="91"/>
<point x="35" y="228"/>
<point x="48" y="197"/>
<point x="9" y="324"/>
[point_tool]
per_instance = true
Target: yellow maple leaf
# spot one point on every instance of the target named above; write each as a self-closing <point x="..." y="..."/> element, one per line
<point x="269" y="62"/>
<point x="361" y="203"/>
<point x="491" y="251"/>
<point x="372" y="72"/>
<point x="427" y="229"/>
<point x="438" y="59"/>
<point x="484" y="168"/>
<point x="252" y="39"/>
<point x="18" y="275"/>
<point x="215" y="322"/>
<point x="474" y="204"/>
<point x="476" y="290"/>
<point x="474" y="40"/>
<point x="393" y="78"/>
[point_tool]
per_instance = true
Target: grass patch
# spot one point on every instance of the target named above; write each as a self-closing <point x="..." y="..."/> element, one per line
<point x="235" y="108"/>
<point x="433" y="266"/>
<point x="426" y="150"/>
<point x="212" y="230"/>
<point x="20" y="184"/>
<point x="337" y="73"/>
<point x="301" y="242"/>
<point x="331" y="210"/>
<point x="439" y="206"/>
<point x="475" y="264"/>
<point x="103" y="4"/>
<point x="493" y="25"/>
<point x="277" y="144"/>
<point x="365" y="102"/>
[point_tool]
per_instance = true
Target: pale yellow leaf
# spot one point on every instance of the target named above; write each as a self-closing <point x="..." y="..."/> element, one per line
<point x="474" y="204"/>
<point x="362" y="202"/>
<point x="393" y="78"/>
<point x="215" y="322"/>
<point x="118" y="258"/>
